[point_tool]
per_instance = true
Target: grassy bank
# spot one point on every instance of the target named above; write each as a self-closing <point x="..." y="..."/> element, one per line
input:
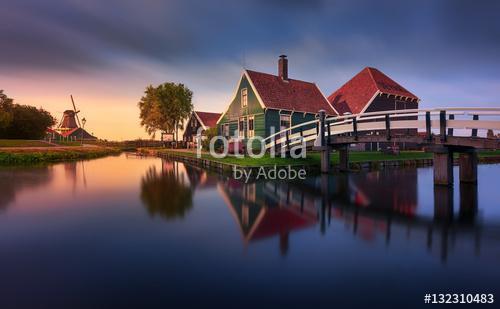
<point x="52" y="154"/>
<point x="313" y="158"/>
<point x="23" y="143"/>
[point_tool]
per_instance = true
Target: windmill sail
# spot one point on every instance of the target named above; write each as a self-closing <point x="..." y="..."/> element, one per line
<point x="74" y="109"/>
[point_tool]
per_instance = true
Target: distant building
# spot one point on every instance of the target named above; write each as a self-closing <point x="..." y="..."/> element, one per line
<point x="204" y="120"/>
<point x="75" y="134"/>
<point x="69" y="129"/>
<point x="373" y="91"/>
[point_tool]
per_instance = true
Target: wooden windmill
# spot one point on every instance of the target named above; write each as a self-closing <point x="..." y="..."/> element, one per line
<point x="70" y="126"/>
<point x="70" y="119"/>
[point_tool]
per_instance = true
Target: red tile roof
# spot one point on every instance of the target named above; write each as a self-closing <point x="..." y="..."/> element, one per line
<point x="292" y="94"/>
<point x="209" y="120"/>
<point x="69" y="132"/>
<point x="354" y="95"/>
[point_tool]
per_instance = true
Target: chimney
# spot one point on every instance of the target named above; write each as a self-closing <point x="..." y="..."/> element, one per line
<point x="283" y="67"/>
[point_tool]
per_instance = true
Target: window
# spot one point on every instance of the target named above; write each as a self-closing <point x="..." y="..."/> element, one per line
<point x="251" y="132"/>
<point x="225" y="130"/>
<point x="284" y="122"/>
<point x="241" y="128"/>
<point x="193" y="122"/>
<point x="244" y="97"/>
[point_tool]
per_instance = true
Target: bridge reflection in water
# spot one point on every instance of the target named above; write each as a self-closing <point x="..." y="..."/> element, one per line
<point x="375" y="205"/>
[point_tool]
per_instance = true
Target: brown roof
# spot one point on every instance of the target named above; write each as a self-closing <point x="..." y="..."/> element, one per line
<point x="354" y="95"/>
<point x="209" y="120"/>
<point x="290" y="94"/>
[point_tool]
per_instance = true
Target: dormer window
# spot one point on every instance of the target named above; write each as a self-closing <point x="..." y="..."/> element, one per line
<point x="244" y="97"/>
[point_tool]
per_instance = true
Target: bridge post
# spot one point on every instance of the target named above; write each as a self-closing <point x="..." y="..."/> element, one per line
<point x="344" y="158"/>
<point x="442" y="125"/>
<point x="443" y="167"/>
<point x="468" y="166"/>
<point x="324" y="147"/>
<point x="428" y="126"/>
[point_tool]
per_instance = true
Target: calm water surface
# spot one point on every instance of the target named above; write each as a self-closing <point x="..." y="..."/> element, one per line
<point x="136" y="232"/>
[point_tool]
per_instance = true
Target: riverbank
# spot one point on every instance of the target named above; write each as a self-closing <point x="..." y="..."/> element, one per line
<point x="358" y="160"/>
<point x="39" y="155"/>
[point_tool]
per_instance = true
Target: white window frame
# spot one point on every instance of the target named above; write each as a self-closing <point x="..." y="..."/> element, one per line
<point x="251" y="133"/>
<point x="244" y="97"/>
<point x="241" y="133"/>
<point x="289" y="118"/>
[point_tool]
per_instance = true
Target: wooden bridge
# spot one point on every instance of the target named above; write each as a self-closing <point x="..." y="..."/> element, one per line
<point x="442" y="131"/>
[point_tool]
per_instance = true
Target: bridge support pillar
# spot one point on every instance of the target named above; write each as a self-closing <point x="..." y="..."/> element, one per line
<point x="468" y="167"/>
<point x="323" y="147"/>
<point x="325" y="159"/>
<point x="344" y="158"/>
<point x="443" y="167"/>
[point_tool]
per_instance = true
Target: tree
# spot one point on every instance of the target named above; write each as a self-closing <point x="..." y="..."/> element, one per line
<point x="22" y="121"/>
<point x="209" y="133"/>
<point x="6" y="105"/>
<point x="164" y="108"/>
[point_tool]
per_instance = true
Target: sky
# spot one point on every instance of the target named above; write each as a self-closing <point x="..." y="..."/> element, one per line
<point x="105" y="53"/>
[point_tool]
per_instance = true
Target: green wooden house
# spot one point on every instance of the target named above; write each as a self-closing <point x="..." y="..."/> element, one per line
<point x="265" y="103"/>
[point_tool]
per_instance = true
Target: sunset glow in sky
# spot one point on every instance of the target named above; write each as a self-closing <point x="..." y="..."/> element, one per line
<point x="106" y="52"/>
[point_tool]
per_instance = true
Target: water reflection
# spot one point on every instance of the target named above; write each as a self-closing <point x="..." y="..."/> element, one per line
<point x="372" y="205"/>
<point x="334" y="231"/>
<point x="16" y="179"/>
<point x="265" y="209"/>
<point x="168" y="192"/>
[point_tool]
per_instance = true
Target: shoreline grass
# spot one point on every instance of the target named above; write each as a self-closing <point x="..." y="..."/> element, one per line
<point x="23" y="143"/>
<point x="27" y="156"/>
<point x="313" y="158"/>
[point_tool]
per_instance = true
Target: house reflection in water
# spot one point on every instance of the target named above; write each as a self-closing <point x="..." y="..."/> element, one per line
<point x="375" y="205"/>
<point x="267" y="209"/>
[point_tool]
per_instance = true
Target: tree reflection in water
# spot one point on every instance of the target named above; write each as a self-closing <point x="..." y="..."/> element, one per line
<point x="166" y="193"/>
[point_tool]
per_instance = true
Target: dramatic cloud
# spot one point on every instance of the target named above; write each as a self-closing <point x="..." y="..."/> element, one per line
<point x="435" y="48"/>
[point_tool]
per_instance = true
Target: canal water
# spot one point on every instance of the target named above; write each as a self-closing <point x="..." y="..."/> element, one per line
<point x="130" y="231"/>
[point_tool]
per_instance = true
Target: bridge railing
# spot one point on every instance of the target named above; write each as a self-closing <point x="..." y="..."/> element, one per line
<point x="436" y="121"/>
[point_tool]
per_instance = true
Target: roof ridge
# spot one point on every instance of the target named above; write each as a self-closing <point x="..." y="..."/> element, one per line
<point x="371" y="76"/>
<point x="391" y="80"/>
<point x="293" y="79"/>
<point x="198" y="111"/>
